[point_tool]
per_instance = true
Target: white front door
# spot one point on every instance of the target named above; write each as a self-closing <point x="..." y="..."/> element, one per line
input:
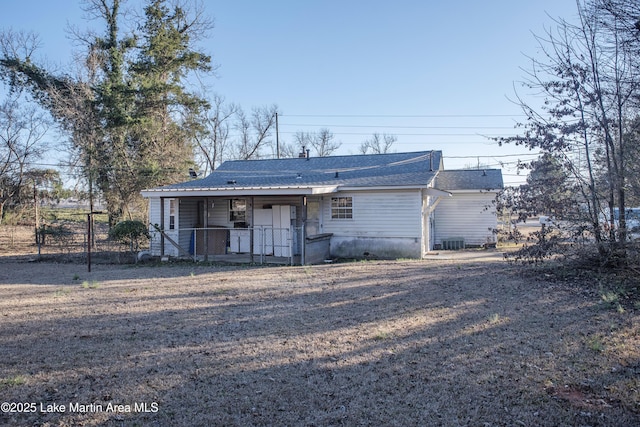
<point x="171" y="228"/>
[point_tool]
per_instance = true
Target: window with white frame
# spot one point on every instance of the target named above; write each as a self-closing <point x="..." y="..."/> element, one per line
<point x="237" y="210"/>
<point x="341" y="207"/>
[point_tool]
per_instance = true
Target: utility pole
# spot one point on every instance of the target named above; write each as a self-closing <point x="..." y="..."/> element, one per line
<point x="277" y="139"/>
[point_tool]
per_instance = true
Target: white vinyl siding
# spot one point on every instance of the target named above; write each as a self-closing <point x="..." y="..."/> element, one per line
<point x="377" y="214"/>
<point x="218" y="213"/>
<point x="188" y="215"/>
<point x="173" y="234"/>
<point x="467" y="215"/>
<point x="154" y="211"/>
<point x="154" y="218"/>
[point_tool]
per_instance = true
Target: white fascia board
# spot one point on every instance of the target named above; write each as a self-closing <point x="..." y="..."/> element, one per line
<point x="237" y="191"/>
<point x="382" y="187"/>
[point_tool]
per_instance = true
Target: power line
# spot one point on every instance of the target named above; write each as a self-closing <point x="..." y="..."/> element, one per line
<point x="397" y="127"/>
<point x="489" y="156"/>
<point x="413" y="134"/>
<point x="107" y="168"/>
<point x="404" y="116"/>
<point x="97" y="168"/>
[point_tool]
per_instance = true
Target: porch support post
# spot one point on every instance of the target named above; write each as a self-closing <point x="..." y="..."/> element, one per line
<point x="251" y="229"/>
<point x="162" y="226"/>
<point x="206" y="229"/>
<point x="303" y="231"/>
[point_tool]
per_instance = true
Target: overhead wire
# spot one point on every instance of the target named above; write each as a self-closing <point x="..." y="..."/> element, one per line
<point x="412" y="134"/>
<point x="395" y="126"/>
<point x="80" y="166"/>
<point x="390" y="128"/>
<point x="402" y="116"/>
<point x="349" y="129"/>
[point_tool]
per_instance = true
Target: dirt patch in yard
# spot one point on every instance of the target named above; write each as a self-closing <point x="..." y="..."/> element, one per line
<point x="433" y="342"/>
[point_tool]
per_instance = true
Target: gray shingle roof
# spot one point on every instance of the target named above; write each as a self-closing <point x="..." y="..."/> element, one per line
<point x="378" y="170"/>
<point x="472" y="179"/>
<point x="395" y="169"/>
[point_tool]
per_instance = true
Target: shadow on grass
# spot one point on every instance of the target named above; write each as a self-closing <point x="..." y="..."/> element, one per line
<point x="381" y="343"/>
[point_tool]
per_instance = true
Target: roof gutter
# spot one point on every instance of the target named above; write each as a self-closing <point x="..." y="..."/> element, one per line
<point x="236" y="191"/>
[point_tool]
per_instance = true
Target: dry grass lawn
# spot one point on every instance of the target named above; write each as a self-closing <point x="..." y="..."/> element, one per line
<point x="399" y="343"/>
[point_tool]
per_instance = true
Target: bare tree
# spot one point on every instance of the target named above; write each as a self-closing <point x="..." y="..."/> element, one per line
<point x="289" y="150"/>
<point x="323" y="143"/>
<point x="302" y="139"/>
<point x="589" y="79"/>
<point x="378" y="144"/>
<point x="213" y="143"/>
<point x="254" y="132"/>
<point x="22" y="130"/>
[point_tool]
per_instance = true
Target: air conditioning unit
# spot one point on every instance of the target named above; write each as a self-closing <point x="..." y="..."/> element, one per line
<point x="453" y="243"/>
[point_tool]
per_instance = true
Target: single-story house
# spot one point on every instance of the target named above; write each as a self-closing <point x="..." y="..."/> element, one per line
<point x="307" y="209"/>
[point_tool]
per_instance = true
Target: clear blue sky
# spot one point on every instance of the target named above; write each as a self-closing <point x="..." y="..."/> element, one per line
<point x="435" y="74"/>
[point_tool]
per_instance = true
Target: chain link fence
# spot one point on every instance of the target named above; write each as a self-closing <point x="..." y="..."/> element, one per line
<point x="251" y="244"/>
<point x="68" y="242"/>
<point x="64" y="242"/>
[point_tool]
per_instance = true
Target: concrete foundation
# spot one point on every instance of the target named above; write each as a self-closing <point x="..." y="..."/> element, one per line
<point x="375" y="247"/>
